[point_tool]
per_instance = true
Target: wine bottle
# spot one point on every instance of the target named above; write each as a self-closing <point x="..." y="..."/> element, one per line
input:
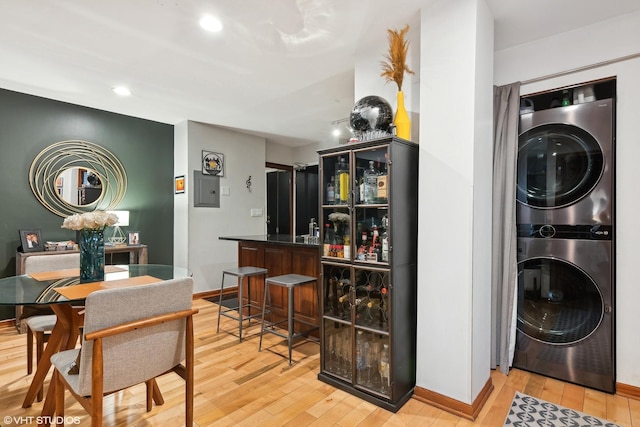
<point x="383" y="367"/>
<point x="361" y="362"/>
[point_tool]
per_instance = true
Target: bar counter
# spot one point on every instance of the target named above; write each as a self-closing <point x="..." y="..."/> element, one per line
<point x="281" y="254"/>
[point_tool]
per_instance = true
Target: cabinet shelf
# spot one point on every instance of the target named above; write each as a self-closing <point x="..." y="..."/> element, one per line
<point x="368" y="326"/>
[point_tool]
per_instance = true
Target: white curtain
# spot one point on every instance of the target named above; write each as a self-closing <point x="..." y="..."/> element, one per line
<point x="506" y="114"/>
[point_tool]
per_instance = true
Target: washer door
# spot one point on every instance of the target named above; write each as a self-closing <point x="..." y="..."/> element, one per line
<point x="558" y="303"/>
<point x="558" y="164"/>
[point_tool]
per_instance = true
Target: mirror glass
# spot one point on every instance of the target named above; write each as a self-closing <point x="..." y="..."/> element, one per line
<point x="79" y="186"/>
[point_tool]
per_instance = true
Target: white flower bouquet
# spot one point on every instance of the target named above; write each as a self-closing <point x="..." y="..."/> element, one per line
<point x="96" y="220"/>
<point x="339" y="217"/>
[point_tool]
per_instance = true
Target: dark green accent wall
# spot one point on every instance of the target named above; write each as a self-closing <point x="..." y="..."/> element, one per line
<point x="28" y="124"/>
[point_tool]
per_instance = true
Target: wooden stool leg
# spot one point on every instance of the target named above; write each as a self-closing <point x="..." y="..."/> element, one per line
<point x="29" y="350"/>
<point x="39" y="351"/>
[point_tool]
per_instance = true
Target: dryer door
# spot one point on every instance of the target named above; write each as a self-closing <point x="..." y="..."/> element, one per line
<point x="558" y="303"/>
<point x="558" y="164"/>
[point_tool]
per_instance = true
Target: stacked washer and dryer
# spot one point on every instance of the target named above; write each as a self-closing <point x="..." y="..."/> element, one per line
<point x="565" y="219"/>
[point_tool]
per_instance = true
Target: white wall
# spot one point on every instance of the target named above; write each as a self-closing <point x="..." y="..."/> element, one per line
<point x="181" y="201"/>
<point x="455" y="186"/>
<point x="244" y="156"/>
<point x="590" y="45"/>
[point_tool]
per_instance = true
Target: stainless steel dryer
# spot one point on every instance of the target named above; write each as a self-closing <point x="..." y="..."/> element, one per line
<point x="565" y="325"/>
<point x="565" y="165"/>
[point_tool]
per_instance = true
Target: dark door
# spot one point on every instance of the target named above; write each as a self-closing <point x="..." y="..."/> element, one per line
<point x="279" y="202"/>
<point x="306" y="198"/>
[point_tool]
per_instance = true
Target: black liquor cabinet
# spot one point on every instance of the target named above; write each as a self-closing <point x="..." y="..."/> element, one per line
<point x="368" y="218"/>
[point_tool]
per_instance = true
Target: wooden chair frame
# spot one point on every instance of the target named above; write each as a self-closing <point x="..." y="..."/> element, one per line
<point x="94" y="403"/>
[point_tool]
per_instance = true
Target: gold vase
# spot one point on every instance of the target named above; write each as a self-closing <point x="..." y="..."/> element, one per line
<point x="402" y="121"/>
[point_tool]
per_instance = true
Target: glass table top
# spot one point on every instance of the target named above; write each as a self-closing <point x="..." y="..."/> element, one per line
<point x="21" y="290"/>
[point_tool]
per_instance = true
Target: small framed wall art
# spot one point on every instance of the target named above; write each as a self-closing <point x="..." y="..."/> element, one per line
<point x="31" y="240"/>
<point x="179" y="184"/>
<point x="212" y="163"/>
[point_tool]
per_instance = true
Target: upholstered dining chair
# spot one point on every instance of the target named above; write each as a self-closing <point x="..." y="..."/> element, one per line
<point x="40" y="325"/>
<point x="131" y="336"/>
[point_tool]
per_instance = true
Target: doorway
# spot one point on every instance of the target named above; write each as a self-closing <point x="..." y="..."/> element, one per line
<point x="279" y="200"/>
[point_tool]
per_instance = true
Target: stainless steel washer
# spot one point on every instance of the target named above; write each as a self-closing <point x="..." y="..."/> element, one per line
<point x="565" y="326"/>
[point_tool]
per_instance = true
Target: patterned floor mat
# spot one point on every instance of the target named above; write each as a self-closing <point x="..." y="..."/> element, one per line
<point x="527" y="411"/>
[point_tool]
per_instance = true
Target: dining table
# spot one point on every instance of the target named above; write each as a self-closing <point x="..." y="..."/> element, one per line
<point x="62" y="291"/>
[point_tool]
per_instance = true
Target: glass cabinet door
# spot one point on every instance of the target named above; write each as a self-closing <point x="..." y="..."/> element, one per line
<point x="371" y="324"/>
<point x="371" y="176"/>
<point x="337" y="318"/>
<point x="336" y="207"/>
<point x="371" y="361"/>
<point x="371" y="209"/>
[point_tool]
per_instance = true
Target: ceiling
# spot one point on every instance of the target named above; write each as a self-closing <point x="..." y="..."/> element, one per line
<point x="282" y="69"/>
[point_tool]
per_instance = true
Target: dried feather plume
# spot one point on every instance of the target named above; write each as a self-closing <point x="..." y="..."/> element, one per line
<point x="395" y="64"/>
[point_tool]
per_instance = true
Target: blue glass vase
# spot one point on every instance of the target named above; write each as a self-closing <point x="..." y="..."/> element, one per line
<point x="91" y="255"/>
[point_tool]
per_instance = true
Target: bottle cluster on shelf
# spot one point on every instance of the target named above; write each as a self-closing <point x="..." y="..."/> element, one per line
<point x="368" y="294"/>
<point x="370" y="183"/>
<point x="371" y="358"/>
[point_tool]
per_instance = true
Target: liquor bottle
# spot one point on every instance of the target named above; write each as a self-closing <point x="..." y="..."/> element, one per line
<point x="385" y="246"/>
<point x="370" y="184"/>
<point x="363" y="246"/>
<point x="375" y="244"/>
<point x="347" y="247"/>
<point x="382" y="185"/>
<point x="383" y="367"/>
<point x="326" y="248"/>
<point x="342" y="182"/>
<point x="339" y="246"/>
<point x="331" y="193"/>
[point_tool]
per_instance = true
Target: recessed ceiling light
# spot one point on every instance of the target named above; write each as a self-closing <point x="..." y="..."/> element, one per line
<point x="122" y="91"/>
<point x="211" y="23"/>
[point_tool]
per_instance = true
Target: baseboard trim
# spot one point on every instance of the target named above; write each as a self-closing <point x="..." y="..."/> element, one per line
<point x="215" y="293"/>
<point x="626" y="390"/>
<point x="8" y="323"/>
<point x="460" y="409"/>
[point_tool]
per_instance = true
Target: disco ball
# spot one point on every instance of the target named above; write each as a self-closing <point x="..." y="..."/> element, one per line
<point x="371" y="113"/>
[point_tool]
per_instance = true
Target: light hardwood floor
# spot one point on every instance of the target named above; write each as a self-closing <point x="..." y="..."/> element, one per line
<point x="238" y="386"/>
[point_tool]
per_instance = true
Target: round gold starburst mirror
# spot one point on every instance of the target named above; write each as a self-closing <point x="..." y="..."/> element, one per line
<point x="77" y="176"/>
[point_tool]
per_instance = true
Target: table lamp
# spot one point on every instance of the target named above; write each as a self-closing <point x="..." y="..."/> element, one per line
<point x="118" y="237"/>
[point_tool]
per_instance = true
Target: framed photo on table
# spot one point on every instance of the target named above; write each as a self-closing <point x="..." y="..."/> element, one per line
<point x="134" y="238"/>
<point x="31" y="240"/>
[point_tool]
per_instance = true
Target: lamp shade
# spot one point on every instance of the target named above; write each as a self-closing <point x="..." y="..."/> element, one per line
<point x="123" y="218"/>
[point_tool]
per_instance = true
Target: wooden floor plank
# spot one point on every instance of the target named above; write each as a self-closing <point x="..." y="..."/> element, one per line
<point x="238" y="386"/>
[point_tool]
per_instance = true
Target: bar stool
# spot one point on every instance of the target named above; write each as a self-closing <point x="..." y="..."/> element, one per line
<point x="240" y="273"/>
<point x="289" y="281"/>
